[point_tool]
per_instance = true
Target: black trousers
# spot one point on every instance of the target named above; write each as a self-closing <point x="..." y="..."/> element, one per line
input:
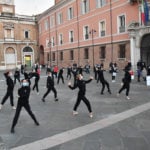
<point x="125" y="86"/>
<point x="49" y="90"/>
<point x="85" y="100"/>
<point x="18" y="78"/>
<point x="17" y="114"/>
<point x="69" y="76"/>
<point x="8" y="94"/>
<point x="62" y="78"/>
<point x="103" y="86"/>
<point x="36" y="85"/>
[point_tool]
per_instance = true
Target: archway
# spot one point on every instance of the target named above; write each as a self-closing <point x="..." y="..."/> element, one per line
<point x="41" y="55"/>
<point x="145" y="49"/>
<point x="10" y="58"/>
<point x="28" y="57"/>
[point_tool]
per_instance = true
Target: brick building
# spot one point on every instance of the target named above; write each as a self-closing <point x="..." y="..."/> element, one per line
<point x="93" y="31"/>
<point x="18" y="37"/>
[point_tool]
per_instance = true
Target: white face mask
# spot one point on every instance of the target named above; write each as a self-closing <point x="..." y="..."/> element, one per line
<point x="24" y="84"/>
<point x="10" y="74"/>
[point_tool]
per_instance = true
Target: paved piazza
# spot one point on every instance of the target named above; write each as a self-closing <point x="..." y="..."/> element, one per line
<point x="118" y="124"/>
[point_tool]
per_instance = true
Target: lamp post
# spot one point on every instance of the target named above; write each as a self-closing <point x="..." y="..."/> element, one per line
<point x="92" y="31"/>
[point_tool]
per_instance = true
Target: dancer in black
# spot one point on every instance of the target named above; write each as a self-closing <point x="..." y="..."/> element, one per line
<point x="126" y="83"/>
<point x="50" y="86"/>
<point x="102" y="80"/>
<point x="17" y="75"/>
<point x="10" y="88"/>
<point x="81" y="84"/>
<point x="69" y="68"/>
<point x="23" y="101"/>
<point x="60" y="76"/>
<point x="37" y="78"/>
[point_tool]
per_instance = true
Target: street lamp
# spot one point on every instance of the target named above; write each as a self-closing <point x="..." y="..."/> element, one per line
<point x="92" y="31"/>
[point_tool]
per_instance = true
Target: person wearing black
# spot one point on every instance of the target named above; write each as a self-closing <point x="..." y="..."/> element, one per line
<point x="23" y="101"/>
<point x="17" y="75"/>
<point x="69" y="72"/>
<point x="22" y="69"/>
<point x="60" y="76"/>
<point x="10" y="88"/>
<point x="50" y="87"/>
<point x="81" y="84"/>
<point x="80" y="70"/>
<point x="27" y="77"/>
<point x="102" y="80"/>
<point x="126" y="83"/>
<point x="74" y="72"/>
<point x="37" y="78"/>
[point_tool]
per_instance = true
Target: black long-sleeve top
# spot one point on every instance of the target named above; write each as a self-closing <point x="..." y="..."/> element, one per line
<point x="81" y="84"/>
<point x="50" y="82"/>
<point x="127" y="77"/>
<point x="23" y="93"/>
<point x="35" y="74"/>
<point x="10" y="83"/>
<point x="100" y="75"/>
<point x="60" y="72"/>
<point x="17" y="74"/>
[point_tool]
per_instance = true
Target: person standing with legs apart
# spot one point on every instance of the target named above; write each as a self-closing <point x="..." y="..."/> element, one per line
<point x="10" y="88"/>
<point x="17" y="75"/>
<point x="60" y="76"/>
<point x="102" y="80"/>
<point x="126" y="83"/>
<point x="50" y="86"/>
<point x="81" y="84"/>
<point x="37" y="78"/>
<point x="23" y="101"/>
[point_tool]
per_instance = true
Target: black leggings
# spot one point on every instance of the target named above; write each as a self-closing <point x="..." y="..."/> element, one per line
<point x="18" y="110"/>
<point x="8" y="94"/>
<point x="103" y="86"/>
<point x="36" y="85"/>
<point x="49" y="90"/>
<point x="85" y="100"/>
<point x="125" y="86"/>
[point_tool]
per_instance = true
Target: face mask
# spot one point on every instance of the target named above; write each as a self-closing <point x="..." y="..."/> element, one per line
<point x="81" y="77"/>
<point x="10" y="74"/>
<point x="24" y="84"/>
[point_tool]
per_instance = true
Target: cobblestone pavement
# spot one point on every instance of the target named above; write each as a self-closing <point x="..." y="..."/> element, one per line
<point x="132" y="133"/>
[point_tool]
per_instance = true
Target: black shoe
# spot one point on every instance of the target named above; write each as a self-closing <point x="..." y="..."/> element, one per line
<point x="43" y="99"/>
<point x="56" y="99"/>
<point x="12" y="130"/>
<point x="109" y="91"/>
<point x="37" y="123"/>
<point x="102" y="93"/>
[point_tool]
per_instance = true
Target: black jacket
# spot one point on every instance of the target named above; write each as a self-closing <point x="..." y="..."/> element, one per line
<point x="127" y="78"/>
<point x="17" y="74"/>
<point x="23" y="93"/>
<point x="81" y="84"/>
<point x="50" y="82"/>
<point x="10" y="83"/>
<point x="100" y="75"/>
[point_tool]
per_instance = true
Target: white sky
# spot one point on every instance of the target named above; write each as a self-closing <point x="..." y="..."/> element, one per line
<point x="32" y="7"/>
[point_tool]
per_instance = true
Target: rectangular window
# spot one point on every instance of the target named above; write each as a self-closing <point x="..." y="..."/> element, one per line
<point x="26" y="34"/>
<point x="86" y="53"/>
<point x="53" y="56"/>
<point x="48" y="57"/>
<point x="122" y="51"/>
<point x="60" y="18"/>
<point x="121" y="23"/>
<point x="70" y="13"/>
<point x="102" y="52"/>
<point x="71" y="55"/>
<point x="52" y="21"/>
<point x="60" y="39"/>
<point x="102" y="28"/>
<point x="52" y="42"/>
<point x="86" y="32"/>
<point x="85" y="6"/>
<point x="61" y="56"/>
<point x="71" y="36"/>
<point x="46" y="25"/>
<point x="100" y="3"/>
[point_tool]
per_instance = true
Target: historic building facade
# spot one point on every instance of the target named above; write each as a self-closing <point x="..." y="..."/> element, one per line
<point x="18" y="37"/>
<point x="93" y="31"/>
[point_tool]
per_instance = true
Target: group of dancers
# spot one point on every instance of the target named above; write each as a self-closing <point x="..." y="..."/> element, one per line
<point x="79" y="82"/>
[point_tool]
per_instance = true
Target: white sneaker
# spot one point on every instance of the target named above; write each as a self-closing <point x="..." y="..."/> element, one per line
<point x="128" y="97"/>
<point x="75" y="113"/>
<point x="1" y="106"/>
<point x="91" y="115"/>
<point x="13" y="107"/>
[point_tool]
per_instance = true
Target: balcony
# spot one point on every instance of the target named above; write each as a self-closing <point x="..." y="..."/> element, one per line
<point x="6" y="39"/>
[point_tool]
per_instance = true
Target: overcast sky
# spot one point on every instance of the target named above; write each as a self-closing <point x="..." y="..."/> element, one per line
<point x="32" y="7"/>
